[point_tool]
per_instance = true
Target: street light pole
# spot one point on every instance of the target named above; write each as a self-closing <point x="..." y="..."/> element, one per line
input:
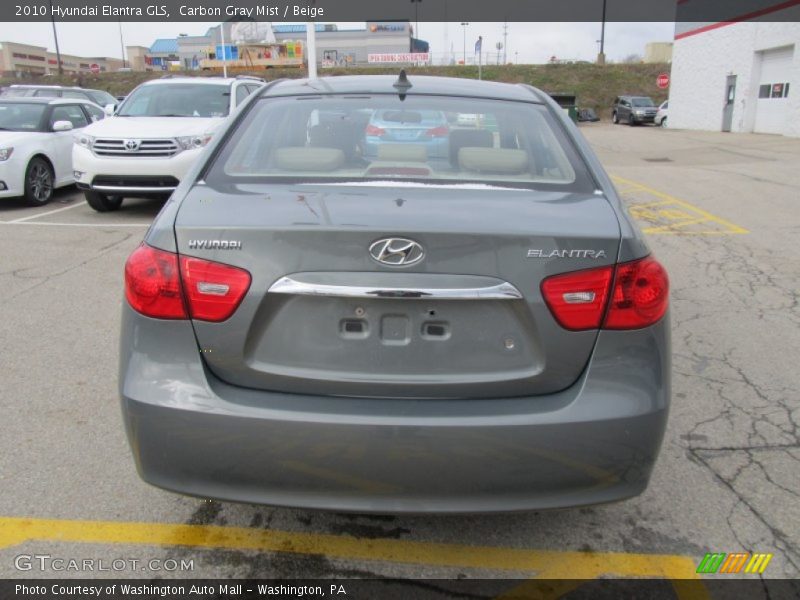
<point x="55" y="35"/>
<point x="464" y="25"/>
<point x="121" y="44"/>
<point x="601" y="58"/>
<point x="416" y="4"/>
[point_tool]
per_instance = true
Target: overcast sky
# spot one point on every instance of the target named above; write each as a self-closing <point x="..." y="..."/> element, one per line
<point x="535" y="42"/>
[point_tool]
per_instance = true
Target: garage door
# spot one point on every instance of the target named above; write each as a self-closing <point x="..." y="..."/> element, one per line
<point x="772" y="105"/>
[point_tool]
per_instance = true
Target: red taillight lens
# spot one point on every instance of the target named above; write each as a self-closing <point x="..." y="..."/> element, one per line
<point x="640" y="297"/>
<point x="213" y="290"/>
<point x="578" y="299"/>
<point x="442" y="131"/>
<point x="377" y="131"/>
<point x="153" y="285"/>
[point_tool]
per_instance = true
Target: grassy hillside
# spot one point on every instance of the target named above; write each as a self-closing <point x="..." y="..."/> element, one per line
<point x="596" y="86"/>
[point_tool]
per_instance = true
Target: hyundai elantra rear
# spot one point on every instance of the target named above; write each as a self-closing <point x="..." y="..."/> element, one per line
<point x="325" y="315"/>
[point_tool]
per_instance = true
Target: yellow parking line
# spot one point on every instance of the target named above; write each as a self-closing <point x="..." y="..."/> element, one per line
<point x="545" y="563"/>
<point x="706" y="216"/>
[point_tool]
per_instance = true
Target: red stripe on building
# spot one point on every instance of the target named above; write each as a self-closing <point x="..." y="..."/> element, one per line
<point x="739" y="19"/>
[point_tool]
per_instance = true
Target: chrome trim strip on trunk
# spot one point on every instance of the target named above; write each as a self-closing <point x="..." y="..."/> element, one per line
<point x="502" y="291"/>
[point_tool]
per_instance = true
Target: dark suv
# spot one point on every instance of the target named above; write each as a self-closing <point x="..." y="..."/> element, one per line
<point x="633" y="110"/>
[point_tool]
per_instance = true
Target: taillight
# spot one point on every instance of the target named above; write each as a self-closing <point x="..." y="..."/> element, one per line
<point x="442" y="131"/>
<point x="376" y="131"/>
<point x="153" y="285"/>
<point x="213" y="290"/>
<point x="639" y="298"/>
<point x="578" y="299"/>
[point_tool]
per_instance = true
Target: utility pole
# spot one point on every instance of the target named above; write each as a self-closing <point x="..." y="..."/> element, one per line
<point x="499" y="46"/>
<point x="464" y="25"/>
<point x="55" y="35"/>
<point x="601" y="58"/>
<point x="505" y="42"/>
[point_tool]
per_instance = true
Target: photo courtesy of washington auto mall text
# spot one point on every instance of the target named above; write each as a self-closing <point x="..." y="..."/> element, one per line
<point x="399" y="299"/>
<point x="177" y="590"/>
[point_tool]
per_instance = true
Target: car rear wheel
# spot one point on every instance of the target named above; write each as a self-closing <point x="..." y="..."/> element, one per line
<point x="39" y="180"/>
<point x="102" y="202"/>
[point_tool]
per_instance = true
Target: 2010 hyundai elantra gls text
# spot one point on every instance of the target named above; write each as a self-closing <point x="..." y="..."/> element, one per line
<point x="312" y="325"/>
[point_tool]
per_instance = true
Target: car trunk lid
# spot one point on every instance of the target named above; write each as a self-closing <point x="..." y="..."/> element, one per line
<point x="324" y="316"/>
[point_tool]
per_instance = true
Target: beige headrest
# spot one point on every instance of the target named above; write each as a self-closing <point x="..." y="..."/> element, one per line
<point x="493" y="160"/>
<point x="403" y="152"/>
<point x="300" y="158"/>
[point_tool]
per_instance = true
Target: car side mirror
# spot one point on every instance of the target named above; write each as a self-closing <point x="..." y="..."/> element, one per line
<point x="62" y="126"/>
<point x="110" y="109"/>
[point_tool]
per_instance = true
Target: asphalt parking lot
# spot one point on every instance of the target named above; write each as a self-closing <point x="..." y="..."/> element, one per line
<point x="721" y="212"/>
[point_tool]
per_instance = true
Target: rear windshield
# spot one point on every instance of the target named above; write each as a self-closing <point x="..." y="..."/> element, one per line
<point x="16" y="93"/>
<point x="177" y="100"/>
<point x="432" y="139"/>
<point x="101" y="98"/>
<point x="17" y="116"/>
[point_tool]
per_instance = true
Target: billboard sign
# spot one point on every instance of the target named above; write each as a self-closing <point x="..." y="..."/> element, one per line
<point x="399" y="57"/>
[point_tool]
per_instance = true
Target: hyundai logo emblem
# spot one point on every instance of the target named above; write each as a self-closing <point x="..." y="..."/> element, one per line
<point x="396" y="252"/>
<point x="132" y="145"/>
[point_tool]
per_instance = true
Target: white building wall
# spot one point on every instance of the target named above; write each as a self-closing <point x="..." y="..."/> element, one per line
<point x="702" y="62"/>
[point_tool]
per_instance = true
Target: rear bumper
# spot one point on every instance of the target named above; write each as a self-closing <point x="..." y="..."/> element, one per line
<point x="594" y="442"/>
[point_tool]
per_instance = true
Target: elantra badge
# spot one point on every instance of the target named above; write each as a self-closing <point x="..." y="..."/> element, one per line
<point x="539" y="253"/>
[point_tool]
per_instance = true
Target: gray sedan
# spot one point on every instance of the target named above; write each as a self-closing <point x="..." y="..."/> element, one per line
<point x="312" y="325"/>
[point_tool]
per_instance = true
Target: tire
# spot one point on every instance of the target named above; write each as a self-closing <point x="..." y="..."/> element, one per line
<point x="39" y="182"/>
<point x="614" y="118"/>
<point x="664" y="122"/>
<point x="102" y="202"/>
<point x="631" y="120"/>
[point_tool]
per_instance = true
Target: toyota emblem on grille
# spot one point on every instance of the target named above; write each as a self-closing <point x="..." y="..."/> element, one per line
<point x="396" y="252"/>
<point x="132" y="145"/>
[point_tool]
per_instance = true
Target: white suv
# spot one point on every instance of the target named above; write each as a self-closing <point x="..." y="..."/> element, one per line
<point x="147" y="147"/>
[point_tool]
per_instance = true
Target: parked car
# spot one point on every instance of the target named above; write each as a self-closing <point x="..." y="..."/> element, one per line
<point x="99" y="97"/>
<point x="587" y="115"/>
<point x="661" y="115"/>
<point x="147" y="147"/>
<point x="307" y="326"/>
<point x="36" y="144"/>
<point x="429" y="129"/>
<point x="633" y="110"/>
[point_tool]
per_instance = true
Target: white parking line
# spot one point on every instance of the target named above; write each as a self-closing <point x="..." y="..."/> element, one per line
<point x="49" y="212"/>
<point x="76" y="224"/>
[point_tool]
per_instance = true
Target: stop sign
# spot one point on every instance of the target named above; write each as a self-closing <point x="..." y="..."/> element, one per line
<point x="94" y="67"/>
<point x="662" y="81"/>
